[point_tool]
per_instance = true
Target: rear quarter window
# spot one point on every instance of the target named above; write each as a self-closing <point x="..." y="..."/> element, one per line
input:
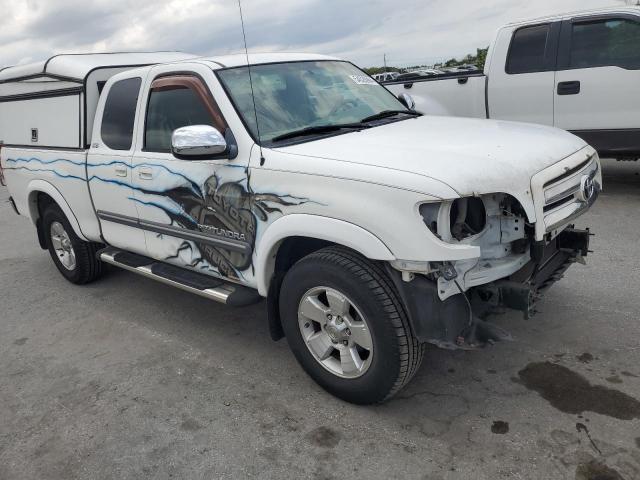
<point x="527" y="50"/>
<point x="119" y="114"/>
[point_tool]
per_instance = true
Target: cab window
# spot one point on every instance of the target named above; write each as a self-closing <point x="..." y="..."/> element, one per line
<point x="177" y="102"/>
<point x="610" y="42"/>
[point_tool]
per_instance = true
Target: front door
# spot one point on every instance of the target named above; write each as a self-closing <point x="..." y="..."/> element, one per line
<point x="109" y="167"/>
<point x="598" y="78"/>
<point x="195" y="213"/>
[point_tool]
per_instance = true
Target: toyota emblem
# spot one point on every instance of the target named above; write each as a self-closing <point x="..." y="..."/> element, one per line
<point x="587" y="188"/>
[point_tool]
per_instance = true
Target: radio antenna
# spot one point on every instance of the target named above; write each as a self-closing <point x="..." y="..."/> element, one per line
<point x="253" y="96"/>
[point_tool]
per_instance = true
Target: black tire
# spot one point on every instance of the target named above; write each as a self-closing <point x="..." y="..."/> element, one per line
<point x="87" y="266"/>
<point x="396" y="352"/>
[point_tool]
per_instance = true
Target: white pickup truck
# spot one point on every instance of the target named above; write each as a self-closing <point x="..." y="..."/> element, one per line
<point x="370" y="229"/>
<point x="579" y="72"/>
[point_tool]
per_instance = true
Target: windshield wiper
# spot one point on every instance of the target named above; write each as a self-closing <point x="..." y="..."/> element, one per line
<point x="319" y="129"/>
<point x="316" y="129"/>
<point x="389" y="113"/>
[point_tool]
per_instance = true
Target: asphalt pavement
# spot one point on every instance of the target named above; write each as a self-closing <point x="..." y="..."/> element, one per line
<point x="130" y="379"/>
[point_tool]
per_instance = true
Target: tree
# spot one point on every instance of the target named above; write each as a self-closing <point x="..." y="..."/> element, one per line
<point x="375" y="70"/>
<point x="481" y="57"/>
<point x="478" y="59"/>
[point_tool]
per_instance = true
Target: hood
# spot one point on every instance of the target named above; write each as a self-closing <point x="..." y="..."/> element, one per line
<point x="469" y="155"/>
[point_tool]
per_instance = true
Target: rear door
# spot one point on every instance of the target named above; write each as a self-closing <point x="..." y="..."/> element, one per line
<point x="598" y="80"/>
<point x="109" y="166"/>
<point x="521" y="88"/>
<point x="195" y="213"/>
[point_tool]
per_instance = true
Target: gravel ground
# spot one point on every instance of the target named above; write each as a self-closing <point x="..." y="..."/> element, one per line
<point x="129" y="379"/>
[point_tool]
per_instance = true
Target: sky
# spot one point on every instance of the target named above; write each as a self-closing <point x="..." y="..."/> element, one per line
<point x="410" y="32"/>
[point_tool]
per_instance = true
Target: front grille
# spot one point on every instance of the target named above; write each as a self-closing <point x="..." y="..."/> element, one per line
<point x="562" y="196"/>
<point x="558" y="203"/>
<point x="558" y="191"/>
<point x="570" y="172"/>
<point x="563" y="188"/>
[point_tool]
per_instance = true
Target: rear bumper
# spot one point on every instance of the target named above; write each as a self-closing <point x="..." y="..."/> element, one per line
<point x="449" y="323"/>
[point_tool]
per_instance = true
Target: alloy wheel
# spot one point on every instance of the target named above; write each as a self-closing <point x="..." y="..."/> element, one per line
<point x="335" y="332"/>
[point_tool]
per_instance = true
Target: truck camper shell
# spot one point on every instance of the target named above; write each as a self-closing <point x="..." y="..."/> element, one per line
<point x="51" y="104"/>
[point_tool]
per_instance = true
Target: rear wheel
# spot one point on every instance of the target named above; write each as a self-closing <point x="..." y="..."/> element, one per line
<point x="346" y="326"/>
<point x="74" y="258"/>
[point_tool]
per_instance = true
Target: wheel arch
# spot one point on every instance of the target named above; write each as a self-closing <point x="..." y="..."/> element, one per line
<point x="316" y="229"/>
<point x="40" y="194"/>
<point x="292" y="237"/>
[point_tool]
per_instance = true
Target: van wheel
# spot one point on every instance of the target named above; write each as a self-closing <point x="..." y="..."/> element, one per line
<point x="346" y="326"/>
<point x="75" y="258"/>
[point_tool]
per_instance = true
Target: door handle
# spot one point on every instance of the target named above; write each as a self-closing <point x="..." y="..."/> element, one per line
<point x="121" y="171"/>
<point x="145" y="173"/>
<point x="569" y="88"/>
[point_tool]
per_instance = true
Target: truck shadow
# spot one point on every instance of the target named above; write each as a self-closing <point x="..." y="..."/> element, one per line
<point x="621" y="177"/>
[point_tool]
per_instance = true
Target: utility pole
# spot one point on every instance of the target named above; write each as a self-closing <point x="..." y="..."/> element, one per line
<point x="385" y="62"/>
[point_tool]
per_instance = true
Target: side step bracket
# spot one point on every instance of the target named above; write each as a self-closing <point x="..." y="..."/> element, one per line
<point x="194" y="282"/>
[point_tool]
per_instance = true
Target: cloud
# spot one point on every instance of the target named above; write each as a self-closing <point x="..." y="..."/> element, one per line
<point x="408" y="32"/>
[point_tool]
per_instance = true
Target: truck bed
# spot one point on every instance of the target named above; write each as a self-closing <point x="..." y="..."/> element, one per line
<point x="61" y="174"/>
<point x="454" y="94"/>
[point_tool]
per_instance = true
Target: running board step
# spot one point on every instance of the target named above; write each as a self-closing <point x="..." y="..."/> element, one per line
<point x="194" y="282"/>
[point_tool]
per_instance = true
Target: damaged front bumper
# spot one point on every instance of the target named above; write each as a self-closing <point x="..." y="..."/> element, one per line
<point x="456" y="321"/>
<point x="522" y="290"/>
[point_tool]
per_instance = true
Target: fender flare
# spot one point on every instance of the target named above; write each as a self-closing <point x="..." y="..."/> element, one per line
<point x="41" y="186"/>
<point x="318" y="227"/>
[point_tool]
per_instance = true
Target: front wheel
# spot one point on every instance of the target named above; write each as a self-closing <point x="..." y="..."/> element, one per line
<point x="346" y="326"/>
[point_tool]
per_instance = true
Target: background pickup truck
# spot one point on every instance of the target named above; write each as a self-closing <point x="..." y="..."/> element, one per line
<point x="370" y="228"/>
<point x="579" y="72"/>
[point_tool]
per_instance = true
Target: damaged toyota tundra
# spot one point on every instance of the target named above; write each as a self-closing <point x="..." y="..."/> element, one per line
<point x="371" y="230"/>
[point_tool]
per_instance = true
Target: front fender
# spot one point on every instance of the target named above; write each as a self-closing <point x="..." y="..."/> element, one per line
<point x="318" y="227"/>
<point x="40" y="186"/>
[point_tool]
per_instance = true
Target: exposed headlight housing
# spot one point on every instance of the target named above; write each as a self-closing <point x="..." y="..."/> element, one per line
<point x="430" y="212"/>
<point x="457" y="219"/>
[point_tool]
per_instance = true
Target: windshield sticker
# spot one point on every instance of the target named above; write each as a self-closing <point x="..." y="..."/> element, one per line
<point x="363" y="80"/>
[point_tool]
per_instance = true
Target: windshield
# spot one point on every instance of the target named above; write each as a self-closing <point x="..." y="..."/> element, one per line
<point x="298" y="95"/>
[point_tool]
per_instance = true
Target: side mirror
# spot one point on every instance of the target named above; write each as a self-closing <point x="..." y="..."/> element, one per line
<point x="196" y="141"/>
<point x="407" y="101"/>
